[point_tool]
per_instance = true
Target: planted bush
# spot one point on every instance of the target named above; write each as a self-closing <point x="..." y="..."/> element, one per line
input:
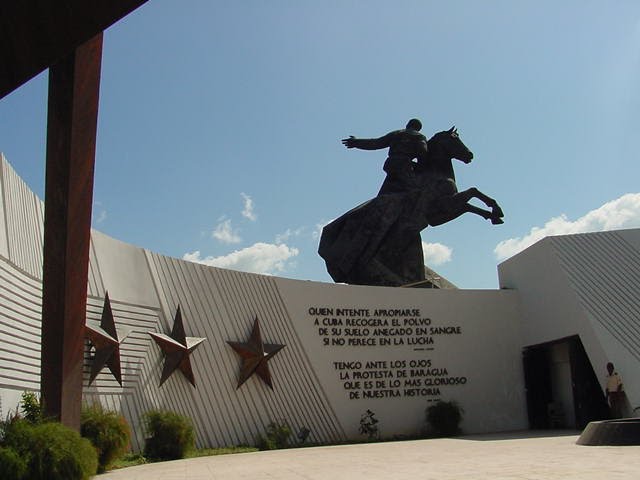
<point x="51" y="451"/>
<point x="108" y="432"/>
<point x="444" y="418"/>
<point x="12" y="465"/>
<point x="276" y="436"/>
<point x="169" y="435"/>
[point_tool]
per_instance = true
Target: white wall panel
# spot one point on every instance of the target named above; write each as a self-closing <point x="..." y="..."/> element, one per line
<point x="607" y="281"/>
<point x="4" y="242"/>
<point x="20" y="307"/>
<point x="604" y="270"/>
<point x="136" y="358"/>
<point x="122" y="270"/>
<point x="24" y="216"/>
<point x="221" y="305"/>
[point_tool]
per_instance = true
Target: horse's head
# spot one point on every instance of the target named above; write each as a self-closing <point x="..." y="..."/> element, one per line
<point x="448" y="143"/>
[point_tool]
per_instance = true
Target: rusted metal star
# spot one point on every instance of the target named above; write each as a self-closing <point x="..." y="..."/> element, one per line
<point x="255" y="355"/>
<point x="176" y="349"/>
<point x="106" y="341"/>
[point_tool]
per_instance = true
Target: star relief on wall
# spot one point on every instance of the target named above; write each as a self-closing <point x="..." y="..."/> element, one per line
<point x="177" y="348"/>
<point x="255" y="356"/>
<point x="106" y="340"/>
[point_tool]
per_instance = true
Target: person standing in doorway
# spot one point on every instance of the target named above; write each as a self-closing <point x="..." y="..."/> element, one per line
<point x="615" y="392"/>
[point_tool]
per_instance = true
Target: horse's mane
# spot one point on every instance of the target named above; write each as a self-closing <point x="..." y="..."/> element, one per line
<point x="437" y="135"/>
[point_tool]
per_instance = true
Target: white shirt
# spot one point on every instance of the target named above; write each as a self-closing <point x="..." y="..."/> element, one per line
<point x="613" y="382"/>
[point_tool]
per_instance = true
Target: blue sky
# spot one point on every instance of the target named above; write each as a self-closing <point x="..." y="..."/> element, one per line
<point x="220" y="123"/>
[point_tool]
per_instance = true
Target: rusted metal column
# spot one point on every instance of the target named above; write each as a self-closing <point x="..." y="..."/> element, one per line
<point x="74" y="85"/>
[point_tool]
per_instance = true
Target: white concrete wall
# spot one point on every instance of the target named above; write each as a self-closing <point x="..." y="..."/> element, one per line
<point x="20" y="288"/>
<point x="486" y="353"/>
<point x="550" y="308"/>
<point x="586" y="285"/>
<point x="23" y="220"/>
<point x="4" y="242"/>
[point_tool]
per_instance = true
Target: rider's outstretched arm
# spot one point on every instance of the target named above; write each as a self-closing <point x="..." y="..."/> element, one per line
<point x="368" y="143"/>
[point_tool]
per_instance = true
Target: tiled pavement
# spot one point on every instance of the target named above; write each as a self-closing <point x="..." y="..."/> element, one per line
<point x="523" y="455"/>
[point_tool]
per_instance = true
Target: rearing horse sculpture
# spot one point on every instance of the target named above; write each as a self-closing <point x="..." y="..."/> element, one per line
<point x="435" y="178"/>
<point x="378" y="242"/>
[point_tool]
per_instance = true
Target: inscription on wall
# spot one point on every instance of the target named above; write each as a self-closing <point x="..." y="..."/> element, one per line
<point x="414" y="371"/>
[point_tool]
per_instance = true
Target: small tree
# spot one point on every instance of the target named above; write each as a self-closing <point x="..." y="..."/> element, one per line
<point x="31" y="407"/>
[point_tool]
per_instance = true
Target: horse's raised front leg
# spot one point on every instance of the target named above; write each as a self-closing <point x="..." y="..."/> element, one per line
<point x="488" y="201"/>
<point x="455" y="205"/>
<point x="449" y="214"/>
<point x="486" y="214"/>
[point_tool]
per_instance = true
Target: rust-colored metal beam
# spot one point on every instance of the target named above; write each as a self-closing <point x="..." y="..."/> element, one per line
<point x="35" y="34"/>
<point x="74" y="85"/>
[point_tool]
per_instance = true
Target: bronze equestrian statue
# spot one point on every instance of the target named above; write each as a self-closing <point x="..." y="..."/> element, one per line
<point x="378" y="242"/>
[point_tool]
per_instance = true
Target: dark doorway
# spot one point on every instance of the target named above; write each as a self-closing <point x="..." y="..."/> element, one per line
<point x="538" y="386"/>
<point x="590" y="401"/>
<point x="561" y="386"/>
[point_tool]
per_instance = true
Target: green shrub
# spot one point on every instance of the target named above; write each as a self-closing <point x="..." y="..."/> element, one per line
<point x="276" y="436"/>
<point x="444" y="418"/>
<point x="265" y="443"/>
<point x="17" y="435"/>
<point x="108" y="432"/>
<point x="51" y="451"/>
<point x="169" y="435"/>
<point x="31" y="408"/>
<point x="12" y="465"/>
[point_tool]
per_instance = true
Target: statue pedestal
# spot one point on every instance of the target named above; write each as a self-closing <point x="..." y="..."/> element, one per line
<point x="622" y="431"/>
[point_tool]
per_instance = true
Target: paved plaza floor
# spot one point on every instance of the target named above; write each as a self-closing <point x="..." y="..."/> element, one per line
<point x="523" y="455"/>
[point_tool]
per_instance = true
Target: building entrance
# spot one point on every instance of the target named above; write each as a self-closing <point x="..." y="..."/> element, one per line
<point x="561" y="385"/>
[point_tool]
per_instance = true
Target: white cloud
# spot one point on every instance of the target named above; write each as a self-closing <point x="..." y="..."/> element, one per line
<point x="247" y="211"/>
<point x="436" y="253"/>
<point x="99" y="213"/>
<point x="265" y="258"/>
<point x="102" y="216"/>
<point x="225" y="233"/>
<point x="623" y="212"/>
<point x="288" y="233"/>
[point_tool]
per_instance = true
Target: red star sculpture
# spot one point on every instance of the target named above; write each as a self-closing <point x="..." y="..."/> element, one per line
<point x="106" y="343"/>
<point x="176" y="349"/>
<point x="255" y="355"/>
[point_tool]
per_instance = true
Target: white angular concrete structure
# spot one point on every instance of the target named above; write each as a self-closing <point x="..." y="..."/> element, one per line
<point x="348" y="349"/>
<point x="585" y="286"/>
